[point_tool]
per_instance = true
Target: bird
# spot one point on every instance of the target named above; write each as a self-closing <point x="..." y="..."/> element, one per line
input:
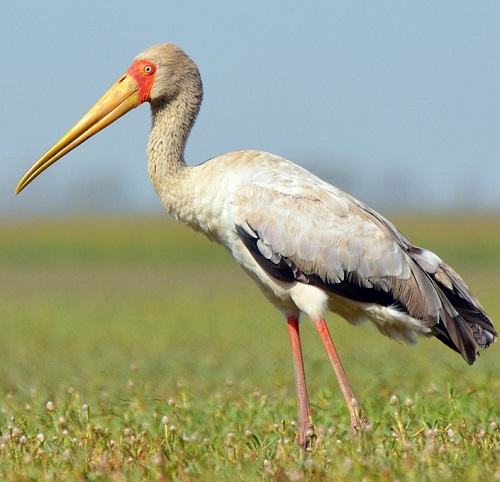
<point x="310" y="247"/>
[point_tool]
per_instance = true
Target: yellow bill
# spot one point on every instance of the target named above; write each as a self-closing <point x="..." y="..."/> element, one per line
<point x="122" y="97"/>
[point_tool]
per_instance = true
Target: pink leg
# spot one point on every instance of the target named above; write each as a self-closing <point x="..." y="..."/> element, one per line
<point x="306" y="435"/>
<point x="358" y="418"/>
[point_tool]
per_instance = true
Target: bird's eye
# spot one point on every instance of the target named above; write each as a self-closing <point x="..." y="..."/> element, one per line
<point x="148" y="69"/>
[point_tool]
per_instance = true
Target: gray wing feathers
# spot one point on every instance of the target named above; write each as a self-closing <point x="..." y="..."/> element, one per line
<point x="465" y="320"/>
<point x="334" y="240"/>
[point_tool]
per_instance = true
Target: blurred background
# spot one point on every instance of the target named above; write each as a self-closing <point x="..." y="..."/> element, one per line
<point x="105" y="304"/>
<point x="397" y="103"/>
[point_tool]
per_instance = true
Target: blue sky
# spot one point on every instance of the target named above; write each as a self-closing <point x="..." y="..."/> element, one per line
<point x="396" y="102"/>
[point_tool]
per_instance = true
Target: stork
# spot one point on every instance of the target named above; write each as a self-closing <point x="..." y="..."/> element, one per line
<point x="310" y="247"/>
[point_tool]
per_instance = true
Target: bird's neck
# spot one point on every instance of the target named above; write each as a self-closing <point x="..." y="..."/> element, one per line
<point x="172" y="122"/>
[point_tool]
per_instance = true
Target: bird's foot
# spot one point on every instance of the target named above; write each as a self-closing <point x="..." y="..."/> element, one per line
<point x="359" y="422"/>
<point x="307" y="438"/>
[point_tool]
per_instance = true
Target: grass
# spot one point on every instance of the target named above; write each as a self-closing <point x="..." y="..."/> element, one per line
<point x="135" y="349"/>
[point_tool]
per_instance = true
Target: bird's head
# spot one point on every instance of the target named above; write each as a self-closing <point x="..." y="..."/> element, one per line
<point x="172" y="70"/>
<point x="156" y="76"/>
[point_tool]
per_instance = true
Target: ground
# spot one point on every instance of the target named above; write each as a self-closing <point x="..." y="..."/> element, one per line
<point x="135" y="348"/>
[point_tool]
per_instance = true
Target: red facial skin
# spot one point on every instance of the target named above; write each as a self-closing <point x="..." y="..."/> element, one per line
<point x="143" y="72"/>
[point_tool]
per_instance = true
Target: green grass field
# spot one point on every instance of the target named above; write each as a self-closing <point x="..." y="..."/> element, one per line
<point x="134" y="349"/>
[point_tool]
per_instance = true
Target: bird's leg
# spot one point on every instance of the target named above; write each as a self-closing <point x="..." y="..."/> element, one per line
<point x="358" y="418"/>
<point x="306" y="434"/>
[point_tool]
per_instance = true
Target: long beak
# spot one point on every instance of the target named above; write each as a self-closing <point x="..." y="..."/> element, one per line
<point x="122" y="97"/>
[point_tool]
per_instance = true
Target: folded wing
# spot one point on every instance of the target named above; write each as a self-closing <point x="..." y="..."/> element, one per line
<point x="329" y="239"/>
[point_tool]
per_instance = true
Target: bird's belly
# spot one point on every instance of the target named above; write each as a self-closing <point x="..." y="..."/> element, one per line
<point x="297" y="297"/>
<point x="389" y="321"/>
<point x="313" y="301"/>
<point x="277" y="292"/>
